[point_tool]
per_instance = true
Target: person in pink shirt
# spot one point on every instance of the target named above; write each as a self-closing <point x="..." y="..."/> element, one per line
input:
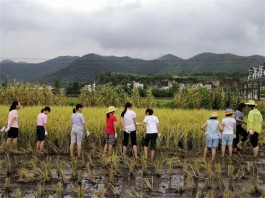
<point x="41" y="129"/>
<point x="12" y="125"/>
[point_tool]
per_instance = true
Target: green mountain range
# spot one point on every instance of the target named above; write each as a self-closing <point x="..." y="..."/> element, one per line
<point x="83" y="69"/>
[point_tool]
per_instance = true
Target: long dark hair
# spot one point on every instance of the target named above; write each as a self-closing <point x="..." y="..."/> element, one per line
<point x="74" y="110"/>
<point x="127" y="105"/>
<point x="108" y="115"/>
<point x="78" y="106"/>
<point x="13" y="105"/>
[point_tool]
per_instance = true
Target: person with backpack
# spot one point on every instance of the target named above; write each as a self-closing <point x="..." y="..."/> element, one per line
<point x="254" y="126"/>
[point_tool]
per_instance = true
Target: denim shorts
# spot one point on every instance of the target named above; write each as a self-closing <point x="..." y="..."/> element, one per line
<point x="212" y="143"/>
<point x="227" y="139"/>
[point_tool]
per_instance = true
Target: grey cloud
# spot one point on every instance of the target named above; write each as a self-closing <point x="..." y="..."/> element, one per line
<point x="145" y="29"/>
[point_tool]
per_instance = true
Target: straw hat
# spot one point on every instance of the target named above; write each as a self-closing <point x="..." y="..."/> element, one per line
<point x="251" y="102"/>
<point x="214" y="115"/>
<point x="229" y="111"/>
<point x="111" y="109"/>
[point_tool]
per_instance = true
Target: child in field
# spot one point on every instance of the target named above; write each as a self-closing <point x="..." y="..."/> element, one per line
<point x="229" y="124"/>
<point x="110" y="131"/>
<point x="152" y="132"/>
<point x="78" y="123"/>
<point x="11" y="126"/>
<point x="212" y="127"/>
<point x="41" y="129"/>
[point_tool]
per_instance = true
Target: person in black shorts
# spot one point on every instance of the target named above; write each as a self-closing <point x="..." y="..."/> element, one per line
<point x="11" y="126"/>
<point x="41" y="129"/>
<point x="152" y="132"/>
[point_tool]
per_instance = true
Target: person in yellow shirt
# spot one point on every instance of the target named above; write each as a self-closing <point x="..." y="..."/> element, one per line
<point x="254" y="126"/>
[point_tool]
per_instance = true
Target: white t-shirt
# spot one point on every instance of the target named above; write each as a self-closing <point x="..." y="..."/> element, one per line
<point x="228" y="125"/>
<point x="128" y="120"/>
<point x="151" y="122"/>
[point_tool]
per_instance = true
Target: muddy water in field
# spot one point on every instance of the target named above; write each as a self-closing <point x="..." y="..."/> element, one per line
<point x="241" y="176"/>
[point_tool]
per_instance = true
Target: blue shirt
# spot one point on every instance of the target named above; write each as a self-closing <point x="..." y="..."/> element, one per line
<point x="78" y="121"/>
<point x="240" y="115"/>
<point x="212" y="130"/>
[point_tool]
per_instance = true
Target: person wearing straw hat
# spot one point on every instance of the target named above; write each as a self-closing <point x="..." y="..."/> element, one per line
<point x="254" y="126"/>
<point x="110" y="131"/>
<point x="229" y="124"/>
<point x="212" y="127"/>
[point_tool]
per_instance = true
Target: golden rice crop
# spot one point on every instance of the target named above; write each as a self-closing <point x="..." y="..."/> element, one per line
<point x="175" y="124"/>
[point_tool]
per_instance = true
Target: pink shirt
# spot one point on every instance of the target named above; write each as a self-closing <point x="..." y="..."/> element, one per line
<point x="42" y="119"/>
<point x="13" y="115"/>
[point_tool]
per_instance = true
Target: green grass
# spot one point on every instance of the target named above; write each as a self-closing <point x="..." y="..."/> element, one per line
<point x="72" y="101"/>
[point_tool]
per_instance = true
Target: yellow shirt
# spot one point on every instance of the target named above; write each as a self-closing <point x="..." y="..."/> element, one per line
<point x="254" y="120"/>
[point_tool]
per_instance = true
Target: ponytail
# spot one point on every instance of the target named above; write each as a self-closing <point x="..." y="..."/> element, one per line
<point x="13" y="105"/>
<point x="108" y="115"/>
<point x="127" y="105"/>
<point x="42" y="110"/>
<point x="74" y="110"/>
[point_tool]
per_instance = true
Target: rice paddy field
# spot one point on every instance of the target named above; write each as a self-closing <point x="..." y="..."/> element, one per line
<point x="178" y="169"/>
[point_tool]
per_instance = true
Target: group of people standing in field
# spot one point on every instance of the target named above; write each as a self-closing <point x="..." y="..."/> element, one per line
<point x="230" y="129"/>
<point x="128" y="120"/>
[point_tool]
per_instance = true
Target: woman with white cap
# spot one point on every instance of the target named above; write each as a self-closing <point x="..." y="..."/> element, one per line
<point x="212" y="127"/>
<point x="254" y="126"/>
<point x="110" y="131"/>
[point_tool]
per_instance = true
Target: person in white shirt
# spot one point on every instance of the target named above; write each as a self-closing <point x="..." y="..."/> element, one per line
<point x="229" y="124"/>
<point x="128" y="120"/>
<point x="152" y="132"/>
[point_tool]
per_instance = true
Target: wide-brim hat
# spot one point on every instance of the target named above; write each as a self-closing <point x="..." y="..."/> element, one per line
<point x="214" y="115"/>
<point x="111" y="109"/>
<point x="251" y="102"/>
<point x="229" y="111"/>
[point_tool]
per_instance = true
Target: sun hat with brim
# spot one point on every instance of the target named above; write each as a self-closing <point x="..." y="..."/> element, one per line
<point x="229" y="111"/>
<point x="214" y="115"/>
<point x="111" y="109"/>
<point x="251" y="102"/>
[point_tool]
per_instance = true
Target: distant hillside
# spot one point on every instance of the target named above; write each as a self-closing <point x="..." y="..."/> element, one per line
<point x="86" y="68"/>
<point x="32" y="71"/>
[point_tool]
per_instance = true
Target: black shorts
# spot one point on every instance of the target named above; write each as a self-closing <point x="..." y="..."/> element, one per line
<point x="40" y="133"/>
<point x="151" y="137"/>
<point x="12" y="133"/>
<point x="126" y="138"/>
<point x="254" y="139"/>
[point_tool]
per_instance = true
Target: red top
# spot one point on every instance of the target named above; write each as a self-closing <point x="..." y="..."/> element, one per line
<point x="110" y="124"/>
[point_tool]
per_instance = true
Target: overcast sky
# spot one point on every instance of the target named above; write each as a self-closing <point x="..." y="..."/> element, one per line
<point x="148" y="29"/>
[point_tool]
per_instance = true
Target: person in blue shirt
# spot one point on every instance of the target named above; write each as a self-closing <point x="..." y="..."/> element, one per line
<point x="212" y="127"/>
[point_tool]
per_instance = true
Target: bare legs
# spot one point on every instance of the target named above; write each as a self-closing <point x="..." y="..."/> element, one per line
<point x="40" y="146"/>
<point x="107" y="148"/>
<point x="79" y="150"/>
<point x="213" y="150"/>
<point x="11" y="143"/>
<point x="256" y="151"/>
<point x="230" y="150"/>
<point x="124" y="151"/>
